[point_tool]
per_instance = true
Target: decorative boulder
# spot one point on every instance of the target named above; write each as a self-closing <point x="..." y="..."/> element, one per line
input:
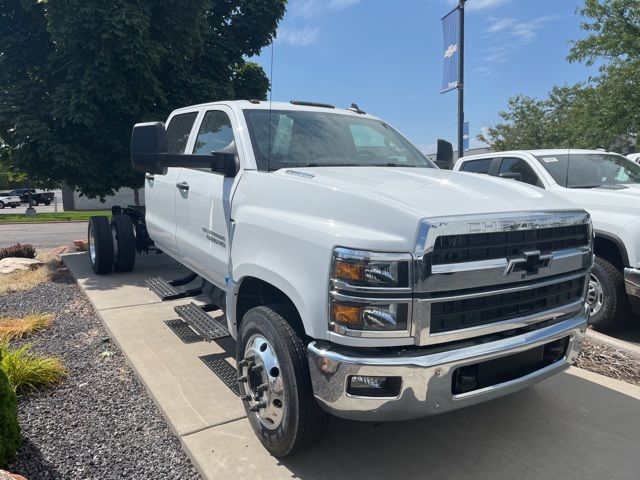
<point x="10" y="476"/>
<point x="15" y="264"/>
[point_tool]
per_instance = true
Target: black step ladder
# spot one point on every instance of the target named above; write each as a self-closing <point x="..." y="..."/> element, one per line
<point x="165" y="289"/>
<point x="204" y="324"/>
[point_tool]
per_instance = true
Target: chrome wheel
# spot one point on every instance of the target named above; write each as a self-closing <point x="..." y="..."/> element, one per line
<point x="261" y="382"/>
<point x="92" y="244"/>
<point x="595" y="295"/>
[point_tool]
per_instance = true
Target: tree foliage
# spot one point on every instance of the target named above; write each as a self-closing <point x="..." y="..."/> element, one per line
<point x="601" y="112"/>
<point x="75" y="75"/>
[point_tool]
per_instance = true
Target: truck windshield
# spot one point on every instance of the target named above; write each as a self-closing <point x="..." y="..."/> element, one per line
<point x="285" y="138"/>
<point x="590" y="170"/>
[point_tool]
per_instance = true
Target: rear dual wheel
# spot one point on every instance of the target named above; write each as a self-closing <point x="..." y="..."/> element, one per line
<point x="111" y="245"/>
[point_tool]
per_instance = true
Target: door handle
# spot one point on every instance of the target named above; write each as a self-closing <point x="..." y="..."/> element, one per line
<point x="149" y="177"/>
<point x="183" y="186"/>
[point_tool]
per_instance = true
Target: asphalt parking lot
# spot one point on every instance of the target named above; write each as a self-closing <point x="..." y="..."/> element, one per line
<point x="574" y="425"/>
<point x="42" y="235"/>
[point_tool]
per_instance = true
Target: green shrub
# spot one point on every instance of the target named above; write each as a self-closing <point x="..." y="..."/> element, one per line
<point x="26" y="370"/>
<point x="9" y="429"/>
<point x="18" y="250"/>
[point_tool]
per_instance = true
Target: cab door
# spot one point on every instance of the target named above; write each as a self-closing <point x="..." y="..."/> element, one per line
<point x="160" y="190"/>
<point x="203" y="201"/>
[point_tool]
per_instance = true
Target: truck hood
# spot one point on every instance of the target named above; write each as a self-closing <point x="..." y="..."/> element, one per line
<point x="602" y="201"/>
<point x="372" y="208"/>
<point x="429" y="192"/>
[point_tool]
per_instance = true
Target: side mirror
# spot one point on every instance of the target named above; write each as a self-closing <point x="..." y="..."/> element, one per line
<point x="149" y="153"/>
<point x="512" y="175"/>
<point x="148" y="143"/>
<point x="444" y="155"/>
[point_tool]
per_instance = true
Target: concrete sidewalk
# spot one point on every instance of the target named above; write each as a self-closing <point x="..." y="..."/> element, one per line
<point x="575" y="425"/>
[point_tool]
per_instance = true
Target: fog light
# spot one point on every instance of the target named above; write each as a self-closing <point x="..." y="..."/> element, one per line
<point x="367" y="386"/>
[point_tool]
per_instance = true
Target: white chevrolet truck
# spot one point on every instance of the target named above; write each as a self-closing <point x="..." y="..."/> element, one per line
<point x="607" y="185"/>
<point x="358" y="279"/>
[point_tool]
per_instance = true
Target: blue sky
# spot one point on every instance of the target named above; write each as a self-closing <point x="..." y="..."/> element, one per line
<point x="386" y="55"/>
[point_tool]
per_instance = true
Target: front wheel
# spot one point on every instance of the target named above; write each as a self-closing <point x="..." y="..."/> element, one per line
<point x="275" y="383"/>
<point x="1" y="205"/>
<point x="13" y="206"/>
<point x="606" y="297"/>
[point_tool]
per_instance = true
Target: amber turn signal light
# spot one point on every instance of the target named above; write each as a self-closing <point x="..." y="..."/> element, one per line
<point x="348" y="270"/>
<point x="346" y="315"/>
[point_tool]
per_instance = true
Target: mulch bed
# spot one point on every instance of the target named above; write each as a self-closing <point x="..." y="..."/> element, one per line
<point x="99" y="423"/>
<point x="610" y="362"/>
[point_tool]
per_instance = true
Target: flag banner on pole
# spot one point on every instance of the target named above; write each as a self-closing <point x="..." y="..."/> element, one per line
<point x="450" y="23"/>
<point x="465" y="136"/>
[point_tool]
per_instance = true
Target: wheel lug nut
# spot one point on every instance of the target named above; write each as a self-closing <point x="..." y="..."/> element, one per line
<point x="245" y="398"/>
<point x="256" y="368"/>
<point x="242" y="379"/>
<point x="258" y="407"/>
<point x="262" y="388"/>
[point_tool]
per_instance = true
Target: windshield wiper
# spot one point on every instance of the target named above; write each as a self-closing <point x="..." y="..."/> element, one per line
<point x="585" y="186"/>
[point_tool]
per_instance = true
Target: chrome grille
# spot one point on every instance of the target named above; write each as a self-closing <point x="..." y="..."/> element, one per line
<point x="475" y="277"/>
<point x="471" y="312"/>
<point x="486" y="246"/>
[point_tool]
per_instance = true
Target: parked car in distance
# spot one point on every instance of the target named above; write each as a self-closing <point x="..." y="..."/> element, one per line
<point x="8" y="200"/>
<point x="37" y="197"/>
<point x="358" y="279"/>
<point x="605" y="184"/>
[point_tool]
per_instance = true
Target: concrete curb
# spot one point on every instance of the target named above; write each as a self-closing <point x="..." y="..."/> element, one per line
<point x="612" y="342"/>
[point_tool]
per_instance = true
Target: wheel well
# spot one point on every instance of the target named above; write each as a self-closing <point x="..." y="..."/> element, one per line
<point x="254" y="292"/>
<point x="609" y="250"/>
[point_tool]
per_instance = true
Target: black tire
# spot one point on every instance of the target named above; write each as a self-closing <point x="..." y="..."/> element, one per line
<point x="100" y="245"/>
<point x="303" y="422"/>
<point x="124" y="243"/>
<point x="13" y="206"/>
<point x="47" y="202"/>
<point x="1" y="205"/>
<point x="614" y="305"/>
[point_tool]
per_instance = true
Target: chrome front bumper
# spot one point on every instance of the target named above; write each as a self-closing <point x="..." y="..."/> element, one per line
<point x="427" y="378"/>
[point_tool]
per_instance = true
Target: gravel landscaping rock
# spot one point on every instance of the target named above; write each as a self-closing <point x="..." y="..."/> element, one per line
<point x="99" y="422"/>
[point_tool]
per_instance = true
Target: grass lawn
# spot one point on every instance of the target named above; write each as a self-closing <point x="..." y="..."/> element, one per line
<point x="51" y="217"/>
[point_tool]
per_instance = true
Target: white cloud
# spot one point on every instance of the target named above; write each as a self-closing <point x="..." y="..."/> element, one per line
<point x="508" y="35"/>
<point x="525" y="30"/>
<point x="302" y="37"/>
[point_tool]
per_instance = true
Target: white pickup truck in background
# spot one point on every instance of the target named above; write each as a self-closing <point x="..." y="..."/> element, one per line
<point x="605" y="184"/>
<point x="357" y="278"/>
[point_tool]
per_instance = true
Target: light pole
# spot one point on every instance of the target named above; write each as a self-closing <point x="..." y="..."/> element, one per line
<point x="461" y="78"/>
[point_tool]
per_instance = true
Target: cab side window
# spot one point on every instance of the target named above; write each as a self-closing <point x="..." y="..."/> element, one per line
<point x="477" y="166"/>
<point x="518" y="169"/>
<point x="178" y="132"/>
<point x="215" y="133"/>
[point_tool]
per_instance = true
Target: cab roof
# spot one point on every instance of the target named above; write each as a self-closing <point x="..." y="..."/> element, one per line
<point x="266" y="105"/>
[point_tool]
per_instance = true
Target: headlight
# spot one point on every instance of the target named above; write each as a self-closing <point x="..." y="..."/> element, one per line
<point x="373" y="269"/>
<point x="370" y="291"/>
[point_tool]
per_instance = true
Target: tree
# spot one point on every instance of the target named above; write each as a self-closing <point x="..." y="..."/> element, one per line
<point x="600" y="112"/>
<point x="76" y="75"/>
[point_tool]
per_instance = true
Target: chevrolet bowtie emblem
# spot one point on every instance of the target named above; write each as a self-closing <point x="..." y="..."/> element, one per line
<point x="530" y="262"/>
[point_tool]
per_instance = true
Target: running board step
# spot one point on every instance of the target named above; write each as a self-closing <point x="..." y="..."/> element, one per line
<point x="166" y="291"/>
<point x="203" y="323"/>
